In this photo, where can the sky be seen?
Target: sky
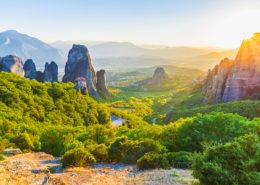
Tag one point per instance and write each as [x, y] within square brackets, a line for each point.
[197, 23]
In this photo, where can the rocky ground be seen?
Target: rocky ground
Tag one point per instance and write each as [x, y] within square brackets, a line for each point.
[41, 168]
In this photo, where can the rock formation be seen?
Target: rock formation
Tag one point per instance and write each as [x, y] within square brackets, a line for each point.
[158, 78]
[101, 83]
[12, 64]
[79, 65]
[239, 79]
[39, 76]
[215, 82]
[50, 73]
[29, 69]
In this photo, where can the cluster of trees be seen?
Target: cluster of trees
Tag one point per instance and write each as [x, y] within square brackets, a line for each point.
[54, 118]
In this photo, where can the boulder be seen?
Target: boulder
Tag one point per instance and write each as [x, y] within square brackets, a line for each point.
[13, 64]
[79, 65]
[29, 69]
[101, 83]
[50, 73]
[11, 151]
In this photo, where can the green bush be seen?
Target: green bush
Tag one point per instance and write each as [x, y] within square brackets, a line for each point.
[133, 150]
[2, 157]
[99, 151]
[152, 160]
[116, 149]
[234, 163]
[179, 159]
[192, 134]
[77, 157]
[23, 141]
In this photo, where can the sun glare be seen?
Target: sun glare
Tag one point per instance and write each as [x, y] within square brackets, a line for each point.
[229, 32]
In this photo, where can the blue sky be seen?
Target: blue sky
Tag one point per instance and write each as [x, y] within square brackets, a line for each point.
[222, 23]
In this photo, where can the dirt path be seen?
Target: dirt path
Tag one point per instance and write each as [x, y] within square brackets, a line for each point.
[33, 169]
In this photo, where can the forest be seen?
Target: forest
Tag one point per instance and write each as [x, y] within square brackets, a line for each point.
[219, 142]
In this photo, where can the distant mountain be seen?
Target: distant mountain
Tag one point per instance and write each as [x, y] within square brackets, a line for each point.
[27, 47]
[127, 49]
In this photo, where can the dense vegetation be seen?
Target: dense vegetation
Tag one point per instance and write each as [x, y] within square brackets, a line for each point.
[54, 118]
[233, 163]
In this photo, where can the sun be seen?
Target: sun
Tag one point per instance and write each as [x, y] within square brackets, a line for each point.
[231, 30]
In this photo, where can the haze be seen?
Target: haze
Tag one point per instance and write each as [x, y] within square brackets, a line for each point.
[195, 23]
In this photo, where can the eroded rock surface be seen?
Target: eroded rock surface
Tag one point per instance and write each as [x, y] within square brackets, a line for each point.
[29, 69]
[50, 73]
[159, 77]
[101, 83]
[79, 65]
[13, 64]
[236, 80]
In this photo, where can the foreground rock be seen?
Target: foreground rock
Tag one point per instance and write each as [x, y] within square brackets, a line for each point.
[12, 64]
[101, 83]
[50, 73]
[79, 65]
[34, 168]
[236, 80]
[29, 69]
[159, 77]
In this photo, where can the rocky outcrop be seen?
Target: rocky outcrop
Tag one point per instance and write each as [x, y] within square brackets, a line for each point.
[29, 69]
[13, 64]
[239, 79]
[101, 83]
[79, 65]
[243, 81]
[214, 85]
[159, 77]
[50, 73]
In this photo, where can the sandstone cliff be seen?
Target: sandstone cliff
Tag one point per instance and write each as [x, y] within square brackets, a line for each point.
[236, 80]
[79, 65]
[50, 73]
[101, 83]
[29, 69]
[13, 64]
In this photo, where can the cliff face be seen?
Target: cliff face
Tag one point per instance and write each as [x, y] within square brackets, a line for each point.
[244, 79]
[30, 69]
[101, 83]
[214, 85]
[79, 65]
[13, 64]
[236, 80]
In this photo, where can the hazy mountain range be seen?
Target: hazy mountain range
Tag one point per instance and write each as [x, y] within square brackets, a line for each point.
[111, 55]
[24, 46]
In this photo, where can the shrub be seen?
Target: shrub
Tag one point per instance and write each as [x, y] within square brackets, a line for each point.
[152, 160]
[133, 150]
[233, 163]
[23, 141]
[2, 157]
[116, 149]
[77, 157]
[193, 133]
[99, 151]
[179, 159]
